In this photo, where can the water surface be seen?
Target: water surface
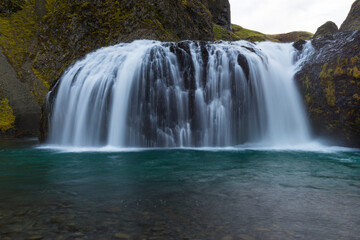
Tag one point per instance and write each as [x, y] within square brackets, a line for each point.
[178, 194]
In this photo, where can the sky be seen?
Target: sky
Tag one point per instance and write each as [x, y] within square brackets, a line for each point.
[281, 16]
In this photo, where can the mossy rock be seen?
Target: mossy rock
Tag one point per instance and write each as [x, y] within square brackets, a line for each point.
[327, 29]
[7, 118]
[221, 33]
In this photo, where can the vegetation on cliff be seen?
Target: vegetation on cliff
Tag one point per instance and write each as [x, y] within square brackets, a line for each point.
[7, 118]
[248, 35]
[239, 33]
[291, 36]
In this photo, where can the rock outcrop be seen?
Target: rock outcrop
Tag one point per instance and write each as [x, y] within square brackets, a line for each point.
[330, 81]
[352, 22]
[20, 113]
[220, 11]
[327, 29]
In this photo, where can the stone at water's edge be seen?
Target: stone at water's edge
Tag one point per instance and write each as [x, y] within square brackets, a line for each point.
[330, 81]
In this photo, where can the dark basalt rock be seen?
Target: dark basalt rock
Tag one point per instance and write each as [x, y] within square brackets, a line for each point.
[242, 61]
[330, 82]
[10, 6]
[299, 45]
[220, 11]
[47, 110]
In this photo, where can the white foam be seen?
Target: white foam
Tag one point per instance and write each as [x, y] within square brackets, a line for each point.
[314, 146]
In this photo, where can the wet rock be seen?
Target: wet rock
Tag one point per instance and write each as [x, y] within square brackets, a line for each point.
[299, 45]
[242, 61]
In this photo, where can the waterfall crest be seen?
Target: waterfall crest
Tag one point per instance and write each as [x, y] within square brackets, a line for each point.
[187, 94]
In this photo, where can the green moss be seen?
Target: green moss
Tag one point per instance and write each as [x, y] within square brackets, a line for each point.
[7, 118]
[356, 97]
[327, 80]
[290, 37]
[307, 90]
[16, 32]
[317, 111]
[220, 33]
[247, 34]
[326, 73]
[339, 71]
[330, 94]
[356, 72]
[331, 127]
[354, 60]
[53, 6]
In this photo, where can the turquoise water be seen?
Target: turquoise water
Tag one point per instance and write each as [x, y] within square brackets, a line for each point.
[178, 194]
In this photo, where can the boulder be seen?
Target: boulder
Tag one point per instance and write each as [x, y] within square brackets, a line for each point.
[329, 28]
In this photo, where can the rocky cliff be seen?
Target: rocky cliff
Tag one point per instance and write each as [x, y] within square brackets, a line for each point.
[330, 81]
[352, 22]
[41, 38]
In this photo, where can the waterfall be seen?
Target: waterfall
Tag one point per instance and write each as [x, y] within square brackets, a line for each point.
[187, 94]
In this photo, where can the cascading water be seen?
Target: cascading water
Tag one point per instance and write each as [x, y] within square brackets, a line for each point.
[188, 94]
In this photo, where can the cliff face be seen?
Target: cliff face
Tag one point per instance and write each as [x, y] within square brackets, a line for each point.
[41, 38]
[220, 11]
[352, 22]
[330, 81]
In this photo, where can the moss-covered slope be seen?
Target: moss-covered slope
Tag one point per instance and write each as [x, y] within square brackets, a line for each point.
[291, 36]
[239, 33]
